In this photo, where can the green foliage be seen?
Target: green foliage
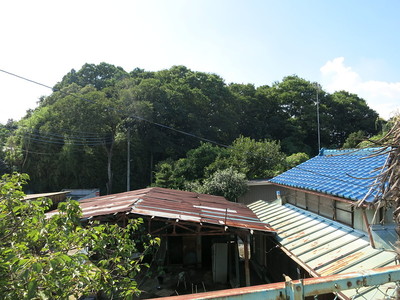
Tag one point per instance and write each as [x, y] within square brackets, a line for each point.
[375, 140]
[57, 257]
[255, 159]
[8, 154]
[227, 183]
[99, 76]
[297, 127]
[350, 113]
[183, 172]
[168, 113]
[354, 139]
[296, 159]
[166, 177]
[197, 160]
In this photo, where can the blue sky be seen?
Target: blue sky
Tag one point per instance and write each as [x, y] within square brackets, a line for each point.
[350, 45]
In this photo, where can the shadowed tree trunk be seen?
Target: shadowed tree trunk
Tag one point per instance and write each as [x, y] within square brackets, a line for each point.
[109, 151]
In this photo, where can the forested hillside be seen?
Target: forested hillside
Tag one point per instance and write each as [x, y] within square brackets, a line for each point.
[78, 136]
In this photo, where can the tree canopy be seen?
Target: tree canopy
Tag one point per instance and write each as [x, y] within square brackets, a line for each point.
[77, 136]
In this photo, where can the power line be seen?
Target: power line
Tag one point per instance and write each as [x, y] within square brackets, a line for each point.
[27, 79]
[78, 137]
[53, 138]
[65, 142]
[66, 139]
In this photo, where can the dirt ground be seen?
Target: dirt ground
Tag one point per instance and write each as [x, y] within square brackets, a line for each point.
[180, 281]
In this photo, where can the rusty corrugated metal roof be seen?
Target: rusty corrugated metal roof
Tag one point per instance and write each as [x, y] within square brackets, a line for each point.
[321, 246]
[175, 205]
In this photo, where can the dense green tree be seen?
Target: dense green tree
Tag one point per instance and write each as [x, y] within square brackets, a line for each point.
[57, 257]
[165, 176]
[194, 166]
[350, 113]
[200, 104]
[297, 107]
[255, 159]
[6, 152]
[177, 174]
[172, 110]
[296, 159]
[248, 107]
[227, 183]
[143, 102]
[99, 76]
[63, 139]
[354, 139]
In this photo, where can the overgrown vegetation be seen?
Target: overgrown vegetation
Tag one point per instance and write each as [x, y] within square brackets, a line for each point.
[205, 168]
[58, 257]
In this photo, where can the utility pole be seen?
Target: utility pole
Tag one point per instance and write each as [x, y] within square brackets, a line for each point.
[318, 126]
[128, 163]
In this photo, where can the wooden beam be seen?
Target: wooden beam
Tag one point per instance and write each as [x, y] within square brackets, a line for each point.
[194, 234]
[246, 259]
[198, 251]
[237, 268]
[365, 218]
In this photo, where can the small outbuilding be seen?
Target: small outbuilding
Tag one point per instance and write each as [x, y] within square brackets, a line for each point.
[204, 238]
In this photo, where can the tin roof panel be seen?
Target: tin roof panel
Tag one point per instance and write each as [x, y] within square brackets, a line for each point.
[174, 204]
[324, 246]
[316, 239]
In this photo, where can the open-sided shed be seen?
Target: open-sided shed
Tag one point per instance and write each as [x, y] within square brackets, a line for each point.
[197, 230]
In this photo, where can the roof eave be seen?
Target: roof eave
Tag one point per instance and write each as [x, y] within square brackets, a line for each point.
[345, 200]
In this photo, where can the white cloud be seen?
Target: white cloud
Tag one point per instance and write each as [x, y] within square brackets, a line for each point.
[383, 97]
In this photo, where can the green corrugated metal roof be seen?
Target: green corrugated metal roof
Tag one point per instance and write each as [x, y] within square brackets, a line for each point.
[321, 245]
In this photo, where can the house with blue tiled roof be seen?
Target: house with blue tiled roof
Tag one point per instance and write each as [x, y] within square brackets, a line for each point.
[333, 182]
[325, 219]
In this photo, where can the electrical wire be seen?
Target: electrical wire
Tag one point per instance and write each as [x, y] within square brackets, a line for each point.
[67, 140]
[39, 153]
[70, 137]
[92, 139]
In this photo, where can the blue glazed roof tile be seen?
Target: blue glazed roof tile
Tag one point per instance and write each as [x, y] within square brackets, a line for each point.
[343, 173]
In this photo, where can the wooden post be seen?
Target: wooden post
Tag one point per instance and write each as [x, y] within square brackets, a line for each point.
[237, 269]
[371, 239]
[198, 251]
[246, 259]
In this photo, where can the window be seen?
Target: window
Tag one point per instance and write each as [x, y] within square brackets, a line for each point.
[344, 213]
[326, 207]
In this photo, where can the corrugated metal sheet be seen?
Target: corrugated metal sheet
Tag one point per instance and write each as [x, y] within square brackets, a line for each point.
[347, 174]
[49, 195]
[320, 245]
[175, 205]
